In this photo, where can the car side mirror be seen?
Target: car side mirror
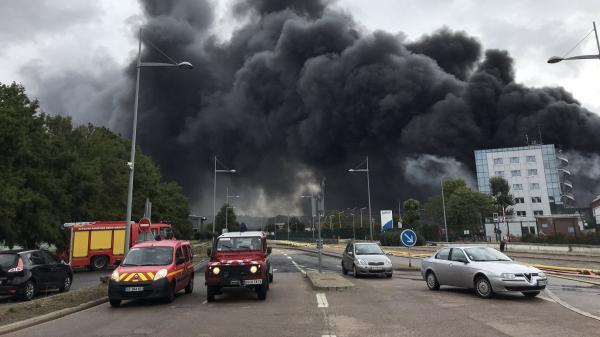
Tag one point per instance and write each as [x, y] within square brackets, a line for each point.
[465, 261]
[269, 250]
[117, 262]
[350, 253]
[209, 252]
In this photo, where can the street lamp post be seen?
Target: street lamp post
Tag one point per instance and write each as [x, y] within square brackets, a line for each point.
[215, 192]
[131, 163]
[312, 213]
[356, 169]
[556, 59]
[444, 209]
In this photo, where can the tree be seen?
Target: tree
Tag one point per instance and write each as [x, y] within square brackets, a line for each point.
[232, 224]
[412, 215]
[500, 191]
[465, 209]
[296, 225]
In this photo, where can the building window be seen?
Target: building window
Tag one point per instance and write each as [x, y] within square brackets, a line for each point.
[538, 212]
[515, 173]
[532, 172]
[514, 160]
[551, 199]
[499, 173]
[534, 186]
[517, 187]
[498, 161]
[519, 200]
[521, 213]
[571, 229]
[531, 159]
[536, 200]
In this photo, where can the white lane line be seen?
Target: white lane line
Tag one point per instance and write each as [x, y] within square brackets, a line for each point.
[328, 336]
[204, 302]
[322, 300]
[570, 307]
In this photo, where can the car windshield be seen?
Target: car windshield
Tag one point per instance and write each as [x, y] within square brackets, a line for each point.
[238, 244]
[149, 256]
[485, 254]
[8, 261]
[368, 249]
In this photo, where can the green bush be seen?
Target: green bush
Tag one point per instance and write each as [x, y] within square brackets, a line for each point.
[560, 238]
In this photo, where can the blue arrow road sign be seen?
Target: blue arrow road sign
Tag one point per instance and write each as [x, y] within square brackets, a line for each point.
[408, 237]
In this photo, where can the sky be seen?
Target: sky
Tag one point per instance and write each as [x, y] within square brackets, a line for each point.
[57, 48]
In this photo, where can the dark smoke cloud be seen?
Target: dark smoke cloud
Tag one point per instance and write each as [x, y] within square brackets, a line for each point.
[301, 91]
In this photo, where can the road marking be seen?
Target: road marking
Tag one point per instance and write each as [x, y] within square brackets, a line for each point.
[322, 300]
[570, 307]
[289, 257]
[204, 302]
[328, 336]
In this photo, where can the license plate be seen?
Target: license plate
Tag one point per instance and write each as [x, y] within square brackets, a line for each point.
[247, 282]
[132, 289]
[235, 282]
[376, 268]
[542, 282]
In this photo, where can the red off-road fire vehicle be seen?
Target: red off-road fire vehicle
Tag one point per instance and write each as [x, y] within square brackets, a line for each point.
[239, 259]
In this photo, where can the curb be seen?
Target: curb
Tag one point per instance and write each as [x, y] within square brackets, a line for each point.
[12, 327]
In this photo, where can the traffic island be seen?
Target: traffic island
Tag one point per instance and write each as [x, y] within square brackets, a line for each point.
[328, 281]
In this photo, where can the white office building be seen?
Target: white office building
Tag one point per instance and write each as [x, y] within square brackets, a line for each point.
[537, 178]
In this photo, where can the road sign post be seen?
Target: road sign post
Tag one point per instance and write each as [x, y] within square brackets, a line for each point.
[409, 239]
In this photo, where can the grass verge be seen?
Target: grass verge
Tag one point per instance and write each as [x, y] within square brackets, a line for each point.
[41, 306]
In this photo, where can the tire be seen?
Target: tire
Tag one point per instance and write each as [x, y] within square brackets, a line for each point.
[210, 294]
[66, 285]
[115, 303]
[190, 286]
[355, 271]
[170, 296]
[483, 288]
[344, 270]
[271, 278]
[389, 275]
[29, 290]
[262, 290]
[531, 294]
[432, 281]
[99, 262]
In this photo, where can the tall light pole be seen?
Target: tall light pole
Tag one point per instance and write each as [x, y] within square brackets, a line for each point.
[444, 209]
[215, 191]
[312, 212]
[357, 169]
[131, 163]
[556, 59]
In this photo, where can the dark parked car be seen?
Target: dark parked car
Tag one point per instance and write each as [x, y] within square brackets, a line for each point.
[25, 272]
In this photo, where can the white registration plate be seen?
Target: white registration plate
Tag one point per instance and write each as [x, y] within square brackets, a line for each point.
[132, 289]
[542, 282]
[247, 282]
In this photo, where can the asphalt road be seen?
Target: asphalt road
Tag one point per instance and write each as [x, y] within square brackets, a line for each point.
[401, 306]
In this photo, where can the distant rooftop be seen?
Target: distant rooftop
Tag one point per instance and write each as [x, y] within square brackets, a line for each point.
[518, 148]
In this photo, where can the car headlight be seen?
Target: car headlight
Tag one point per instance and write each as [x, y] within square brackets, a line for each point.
[541, 274]
[388, 262]
[115, 275]
[507, 276]
[216, 270]
[253, 269]
[361, 262]
[160, 274]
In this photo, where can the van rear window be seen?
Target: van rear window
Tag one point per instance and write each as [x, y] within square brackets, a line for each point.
[8, 261]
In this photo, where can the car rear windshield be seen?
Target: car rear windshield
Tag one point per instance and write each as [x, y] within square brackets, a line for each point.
[8, 261]
[239, 244]
[485, 254]
[368, 249]
[149, 256]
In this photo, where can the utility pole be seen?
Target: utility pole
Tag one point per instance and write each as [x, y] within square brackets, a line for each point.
[444, 209]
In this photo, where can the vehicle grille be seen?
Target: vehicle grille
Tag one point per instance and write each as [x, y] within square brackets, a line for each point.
[375, 263]
[233, 272]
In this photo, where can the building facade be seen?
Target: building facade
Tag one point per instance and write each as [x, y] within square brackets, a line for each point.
[536, 176]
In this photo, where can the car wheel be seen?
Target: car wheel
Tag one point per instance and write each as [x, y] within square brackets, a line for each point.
[483, 288]
[66, 285]
[114, 303]
[355, 271]
[262, 290]
[389, 275]
[531, 293]
[344, 270]
[432, 281]
[190, 286]
[99, 262]
[28, 291]
[210, 293]
[170, 296]
[271, 277]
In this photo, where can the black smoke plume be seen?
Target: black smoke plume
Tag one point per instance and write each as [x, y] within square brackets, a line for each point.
[301, 91]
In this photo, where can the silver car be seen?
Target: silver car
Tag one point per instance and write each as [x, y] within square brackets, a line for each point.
[363, 258]
[481, 268]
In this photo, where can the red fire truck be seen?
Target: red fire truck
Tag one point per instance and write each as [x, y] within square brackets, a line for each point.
[102, 243]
